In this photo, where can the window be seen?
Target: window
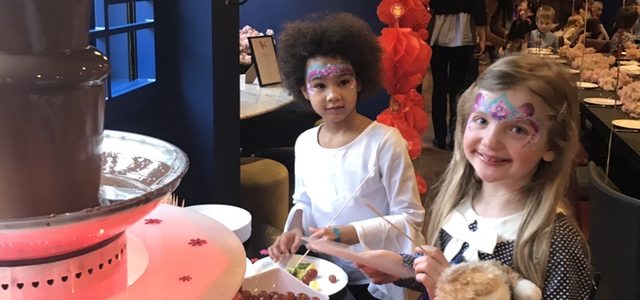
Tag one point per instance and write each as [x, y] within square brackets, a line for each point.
[123, 30]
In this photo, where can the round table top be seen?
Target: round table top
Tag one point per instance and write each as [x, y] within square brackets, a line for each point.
[256, 100]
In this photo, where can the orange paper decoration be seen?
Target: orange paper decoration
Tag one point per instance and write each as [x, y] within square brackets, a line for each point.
[405, 60]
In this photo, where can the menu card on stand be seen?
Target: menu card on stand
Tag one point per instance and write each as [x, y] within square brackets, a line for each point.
[264, 58]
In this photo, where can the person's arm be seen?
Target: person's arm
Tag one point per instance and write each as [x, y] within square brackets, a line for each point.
[481, 21]
[481, 31]
[603, 33]
[496, 32]
[401, 203]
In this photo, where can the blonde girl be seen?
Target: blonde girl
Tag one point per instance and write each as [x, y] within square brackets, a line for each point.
[502, 195]
[573, 30]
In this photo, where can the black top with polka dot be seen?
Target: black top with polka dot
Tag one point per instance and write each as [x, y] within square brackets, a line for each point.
[568, 274]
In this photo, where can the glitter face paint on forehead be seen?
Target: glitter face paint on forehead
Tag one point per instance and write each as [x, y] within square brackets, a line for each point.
[501, 109]
[320, 70]
[317, 70]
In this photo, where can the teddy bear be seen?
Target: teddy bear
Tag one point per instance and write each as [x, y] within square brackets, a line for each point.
[484, 280]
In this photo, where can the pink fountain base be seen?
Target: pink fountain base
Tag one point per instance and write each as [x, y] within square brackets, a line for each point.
[172, 253]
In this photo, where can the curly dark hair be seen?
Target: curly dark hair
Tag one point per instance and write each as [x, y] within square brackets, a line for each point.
[340, 35]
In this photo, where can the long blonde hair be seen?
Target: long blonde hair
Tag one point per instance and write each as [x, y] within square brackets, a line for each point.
[546, 191]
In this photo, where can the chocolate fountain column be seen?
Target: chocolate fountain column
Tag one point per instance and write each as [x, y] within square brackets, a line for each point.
[51, 108]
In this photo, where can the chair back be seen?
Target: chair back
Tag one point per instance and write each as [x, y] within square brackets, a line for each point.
[614, 238]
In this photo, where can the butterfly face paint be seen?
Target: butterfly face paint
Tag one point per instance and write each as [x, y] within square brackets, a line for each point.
[321, 71]
[501, 110]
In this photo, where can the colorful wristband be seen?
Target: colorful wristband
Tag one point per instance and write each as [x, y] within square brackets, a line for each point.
[337, 233]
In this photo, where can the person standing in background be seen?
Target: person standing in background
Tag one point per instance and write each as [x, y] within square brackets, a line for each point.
[457, 26]
[595, 29]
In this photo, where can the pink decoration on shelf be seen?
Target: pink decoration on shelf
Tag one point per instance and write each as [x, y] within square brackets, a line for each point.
[152, 221]
[197, 242]
[264, 252]
[185, 278]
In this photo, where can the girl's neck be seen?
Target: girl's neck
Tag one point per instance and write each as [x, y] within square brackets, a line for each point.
[496, 201]
[335, 135]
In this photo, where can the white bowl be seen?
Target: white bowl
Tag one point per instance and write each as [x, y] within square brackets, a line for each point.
[279, 281]
[235, 218]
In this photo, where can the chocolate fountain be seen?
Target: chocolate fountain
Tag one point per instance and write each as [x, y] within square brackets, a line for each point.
[79, 208]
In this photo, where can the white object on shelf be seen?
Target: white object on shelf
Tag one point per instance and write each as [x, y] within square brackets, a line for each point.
[234, 218]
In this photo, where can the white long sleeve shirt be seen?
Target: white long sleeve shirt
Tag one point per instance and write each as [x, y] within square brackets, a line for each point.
[375, 168]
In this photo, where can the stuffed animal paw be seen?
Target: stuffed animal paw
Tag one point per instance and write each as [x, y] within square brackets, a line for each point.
[484, 280]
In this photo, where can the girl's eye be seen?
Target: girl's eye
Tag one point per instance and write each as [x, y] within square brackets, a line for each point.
[479, 121]
[318, 85]
[345, 82]
[520, 130]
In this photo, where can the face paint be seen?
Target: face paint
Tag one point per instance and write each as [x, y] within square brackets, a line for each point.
[320, 71]
[501, 109]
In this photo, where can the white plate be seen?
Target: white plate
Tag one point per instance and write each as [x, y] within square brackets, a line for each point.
[631, 69]
[627, 123]
[325, 268]
[628, 62]
[574, 71]
[586, 85]
[248, 270]
[540, 50]
[602, 101]
[555, 56]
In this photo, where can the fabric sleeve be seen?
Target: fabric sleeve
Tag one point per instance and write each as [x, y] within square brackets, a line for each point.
[410, 282]
[301, 200]
[405, 207]
[568, 274]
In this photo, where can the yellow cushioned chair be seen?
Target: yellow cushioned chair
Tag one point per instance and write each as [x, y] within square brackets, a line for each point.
[264, 190]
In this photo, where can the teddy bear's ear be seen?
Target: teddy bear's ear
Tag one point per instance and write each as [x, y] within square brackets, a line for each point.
[526, 290]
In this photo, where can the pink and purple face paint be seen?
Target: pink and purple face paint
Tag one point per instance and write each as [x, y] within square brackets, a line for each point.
[501, 109]
[320, 71]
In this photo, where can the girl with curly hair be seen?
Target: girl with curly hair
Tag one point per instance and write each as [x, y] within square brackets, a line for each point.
[348, 161]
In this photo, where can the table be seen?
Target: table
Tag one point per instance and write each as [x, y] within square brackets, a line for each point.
[256, 100]
[624, 162]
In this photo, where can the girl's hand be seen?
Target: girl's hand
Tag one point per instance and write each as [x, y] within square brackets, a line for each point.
[341, 234]
[429, 267]
[285, 244]
[376, 276]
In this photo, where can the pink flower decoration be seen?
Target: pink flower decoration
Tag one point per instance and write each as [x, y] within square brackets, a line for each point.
[197, 242]
[152, 221]
[264, 252]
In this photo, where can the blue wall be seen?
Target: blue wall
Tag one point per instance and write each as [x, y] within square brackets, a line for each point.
[254, 12]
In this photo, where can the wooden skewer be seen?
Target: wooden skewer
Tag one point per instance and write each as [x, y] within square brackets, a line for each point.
[368, 204]
[357, 190]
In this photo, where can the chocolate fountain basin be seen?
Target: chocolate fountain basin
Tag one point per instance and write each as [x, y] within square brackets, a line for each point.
[137, 172]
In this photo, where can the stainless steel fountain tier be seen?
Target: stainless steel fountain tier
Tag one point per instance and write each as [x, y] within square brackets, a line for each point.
[137, 172]
[51, 108]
